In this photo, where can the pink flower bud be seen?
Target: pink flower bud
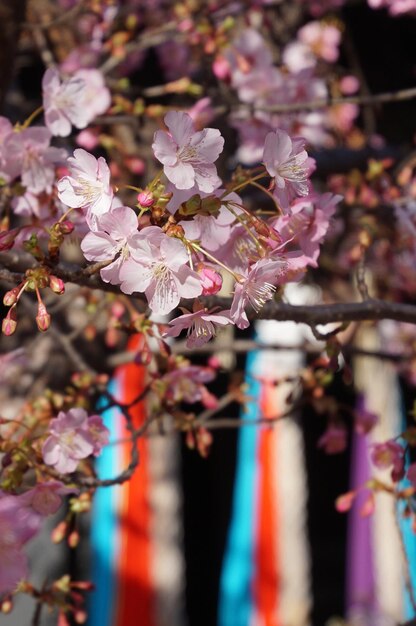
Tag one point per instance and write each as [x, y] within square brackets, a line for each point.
[214, 362]
[7, 239]
[80, 617]
[10, 297]
[6, 606]
[84, 585]
[73, 539]
[66, 227]
[56, 284]
[344, 503]
[135, 165]
[62, 620]
[190, 440]
[334, 439]
[87, 139]
[59, 532]
[368, 507]
[221, 68]
[210, 279]
[349, 85]
[43, 319]
[9, 323]
[204, 441]
[145, 199]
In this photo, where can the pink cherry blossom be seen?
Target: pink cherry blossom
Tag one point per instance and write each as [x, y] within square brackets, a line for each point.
[30, 205]
[6, 129]
[72, 438]
[396, 7]
[158, 267]
[116, 234]
[27, 154]
[334, 439]
[200, 326]
[212, 231]
[202, 113]
[188, 156]
[308, 223]
[247, 54]
[96, 96]
[298, 56]
[46, 498]
[186, 384]
[323, 39]
[64, 103]
[18, 524]
[252, 135]
[99, 434]
[365, 420]
[88, 139]
[389, 454]
[87, 186]
[256, 288]
[239, 252]
[286, 161]
[10, 362]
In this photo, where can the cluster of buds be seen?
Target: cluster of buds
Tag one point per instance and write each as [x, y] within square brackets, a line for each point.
[57, 235]
[200, 439]
[10, 299]
[35, 279]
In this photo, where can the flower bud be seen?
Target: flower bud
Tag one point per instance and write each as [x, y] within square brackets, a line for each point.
[7, 239]
[135, 165]
[43, 319]
[80, 617]
[66, 227]
[73, 539]
[204, 441]
[6, 606]
[344, 502]
[145, 199]
[57, 285]
[84, 585]
[221, 68]
[10, 297]
[210, 279]
[9, 323]
[59, 532]
[214, 362]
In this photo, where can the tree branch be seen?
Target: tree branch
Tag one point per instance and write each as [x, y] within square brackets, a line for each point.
[369, 310]
[323, 103]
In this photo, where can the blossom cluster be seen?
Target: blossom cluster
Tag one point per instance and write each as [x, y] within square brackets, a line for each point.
[182, 256]
[181, 223]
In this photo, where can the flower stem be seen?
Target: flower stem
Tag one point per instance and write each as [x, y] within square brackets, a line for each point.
[196, 246]
[244, 184]
[31, 117]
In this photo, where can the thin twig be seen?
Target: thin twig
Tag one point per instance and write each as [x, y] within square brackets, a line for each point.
[323, 103]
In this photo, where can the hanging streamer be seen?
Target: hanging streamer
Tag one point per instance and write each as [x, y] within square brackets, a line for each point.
[377, 381]
[136, 528]
[265, 577]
